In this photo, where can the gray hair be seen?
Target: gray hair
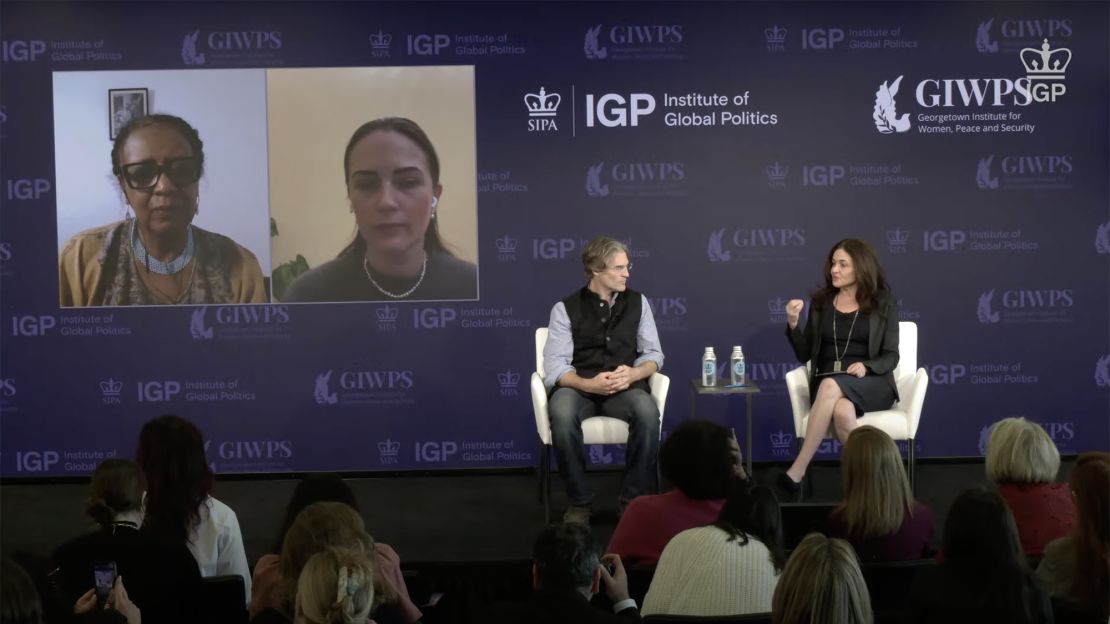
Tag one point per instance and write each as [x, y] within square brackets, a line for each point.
[597, 253]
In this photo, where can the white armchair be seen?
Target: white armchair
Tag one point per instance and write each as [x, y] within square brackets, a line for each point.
[900, 422]
[597, 430]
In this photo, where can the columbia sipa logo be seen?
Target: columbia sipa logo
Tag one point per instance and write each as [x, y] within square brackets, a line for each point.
[506, 248]
[387, 317]
[1102, 372]
[380, 43]
[594, 51]
[715, 249]
[1102, 238]
[198, 328]
[985, 312]
[983, 177]
[885, 112]
[388, 452]
[983, 40]
[776, 310]
[776, 175]
[542, 108]
[898, 240]
[110, 391]
[780, 443]
[594, 186]
[776, 38]
[189, 53]
[508, 382]
[322, 392]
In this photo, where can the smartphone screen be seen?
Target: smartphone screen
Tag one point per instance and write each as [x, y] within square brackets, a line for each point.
[104, 578]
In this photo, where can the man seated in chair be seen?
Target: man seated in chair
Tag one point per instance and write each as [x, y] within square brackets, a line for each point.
[602, 347]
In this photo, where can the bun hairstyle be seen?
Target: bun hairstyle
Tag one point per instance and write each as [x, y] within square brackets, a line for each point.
[335, 587]
[117, 487]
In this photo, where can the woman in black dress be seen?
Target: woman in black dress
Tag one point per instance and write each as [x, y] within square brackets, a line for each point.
[851, 337]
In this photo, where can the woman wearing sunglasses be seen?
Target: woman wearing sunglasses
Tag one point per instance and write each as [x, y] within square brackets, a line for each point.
[157, 256]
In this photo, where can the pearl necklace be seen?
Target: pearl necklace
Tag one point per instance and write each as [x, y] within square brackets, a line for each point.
[419, 280]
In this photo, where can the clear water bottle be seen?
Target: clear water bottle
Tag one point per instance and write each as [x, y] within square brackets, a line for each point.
[737, 367]
[709, 367]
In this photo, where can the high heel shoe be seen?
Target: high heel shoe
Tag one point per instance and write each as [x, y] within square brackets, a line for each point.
[790, 487]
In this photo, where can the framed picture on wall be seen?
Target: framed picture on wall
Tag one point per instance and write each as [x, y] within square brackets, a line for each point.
[123, 106]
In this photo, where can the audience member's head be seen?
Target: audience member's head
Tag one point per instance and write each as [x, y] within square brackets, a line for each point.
[19, 600]
[178, 479]
[317, 527]
[753, 512]
[117, 487]
[335, 587]
[822, 582]
[315, 488]
[700, 458]
[1020, 451]
[877, 492]
[565, 557]
[1090, 481]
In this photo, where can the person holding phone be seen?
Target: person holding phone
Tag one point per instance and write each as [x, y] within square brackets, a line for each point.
[851, 339]
[163, 580]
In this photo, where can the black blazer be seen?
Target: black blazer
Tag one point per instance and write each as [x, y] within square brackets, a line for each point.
[557, 607]
[882, 339]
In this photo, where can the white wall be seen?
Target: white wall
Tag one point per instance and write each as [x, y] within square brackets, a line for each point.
[228, 109]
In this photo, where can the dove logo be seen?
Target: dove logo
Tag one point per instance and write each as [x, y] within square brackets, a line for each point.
[1102, 238]
[197, 327]
[716, 250]
[885, 114]
[322, 391]
[189, 53]
[983, 41]
[594, 50]
[594, 186]
[983, 176]
[985, 311]
[1102, 372]
[599, 456]
[984, 437]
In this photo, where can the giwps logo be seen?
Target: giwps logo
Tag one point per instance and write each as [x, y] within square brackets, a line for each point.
[776, 38]
[387, 318]
[1050, 305]
[636, 179]
[1102, 238]
[380, 43]
[1102, 372]
[783, 244]
[1013, 34]
[781, 442]
[885, 112]
[670, 313]
[252, 453]
[543, 110]
[364, 387]
[388, 452]
[507, 383]
[776, 175]
[239, 322]
[1026, 172]
[231, 48]
[898, 240]
[640, 42]
[110, 391]
[506, 248]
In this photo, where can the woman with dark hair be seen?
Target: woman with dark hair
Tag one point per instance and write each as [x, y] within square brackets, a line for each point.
[851, 339]
[728, 568]
[984, 576]
[701, 459]
[179, 504]
[327, 487]
[157, 256]
[391, 171]
[879, 516]
[162, 576]
[21, 603]
[1076, 567]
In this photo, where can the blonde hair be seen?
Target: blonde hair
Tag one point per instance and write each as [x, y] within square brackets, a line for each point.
[822, 583]
[335, 587]
[597, 253]
[1020, 451]
[877, 493]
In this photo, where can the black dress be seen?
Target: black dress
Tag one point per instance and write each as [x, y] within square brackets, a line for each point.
[870, 393]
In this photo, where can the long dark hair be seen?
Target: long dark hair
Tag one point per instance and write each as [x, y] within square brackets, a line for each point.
[117, 486]
[981, 543]
[191, 136]
[315, 488]
[753, 512]
[410, 130]
[1090, 481]
[696, 459]
[871, 282]
[171, 454]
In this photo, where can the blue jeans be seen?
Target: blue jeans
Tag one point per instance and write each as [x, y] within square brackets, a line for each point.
[567, 408]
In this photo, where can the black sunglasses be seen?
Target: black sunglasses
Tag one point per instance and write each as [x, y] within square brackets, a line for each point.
[144, 175]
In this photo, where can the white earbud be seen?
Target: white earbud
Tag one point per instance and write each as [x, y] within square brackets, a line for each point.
[435, 202]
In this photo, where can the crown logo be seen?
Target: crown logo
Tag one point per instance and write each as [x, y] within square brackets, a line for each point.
[776, 172]
[1046, 63]
[506, 244]
[781, 439]
[387, 314]
[897, 236]
[776, 304]
[388, 448]
[380, 40]
[111, 387]
[542, 104]
[508, 379]
[775, 34]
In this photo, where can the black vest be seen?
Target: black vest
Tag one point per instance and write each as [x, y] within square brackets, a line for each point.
[604, 336]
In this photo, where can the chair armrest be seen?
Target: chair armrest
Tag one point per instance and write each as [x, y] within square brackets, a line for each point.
[911, 393]
[660, 384]
[797, 386]
[539, 406]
